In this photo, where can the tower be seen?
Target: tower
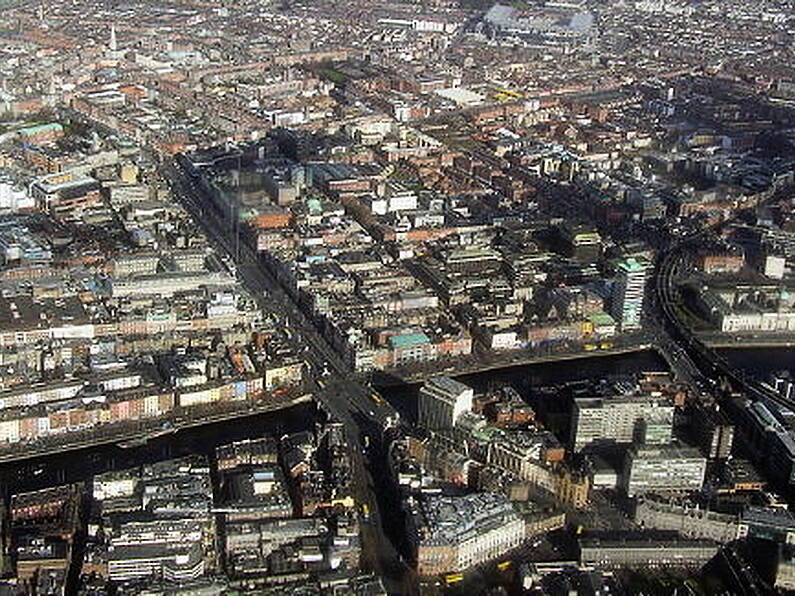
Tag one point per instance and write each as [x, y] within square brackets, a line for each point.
[113, 44]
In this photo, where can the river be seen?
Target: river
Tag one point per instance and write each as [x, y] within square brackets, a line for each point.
[80, 465]
[523, 377]
[761, 361]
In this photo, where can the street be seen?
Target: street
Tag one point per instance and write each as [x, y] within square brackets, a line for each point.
[340, 393]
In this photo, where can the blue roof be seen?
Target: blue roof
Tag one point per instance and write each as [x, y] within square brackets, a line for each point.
[408, 340]
[37, 128]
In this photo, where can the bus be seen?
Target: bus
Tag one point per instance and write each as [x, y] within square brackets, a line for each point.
[453, 578]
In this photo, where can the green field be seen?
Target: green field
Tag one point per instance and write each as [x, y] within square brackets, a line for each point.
[332, 75]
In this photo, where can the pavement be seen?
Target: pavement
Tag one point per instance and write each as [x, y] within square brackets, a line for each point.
[340, 392]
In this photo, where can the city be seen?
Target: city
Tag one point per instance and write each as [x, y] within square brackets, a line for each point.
[442, 297]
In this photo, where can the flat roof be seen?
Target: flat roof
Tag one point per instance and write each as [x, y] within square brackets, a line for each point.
[408, 340]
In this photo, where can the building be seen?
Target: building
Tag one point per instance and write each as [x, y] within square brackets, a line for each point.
[628, 293]
[173, 537]
[714, 429]
[249, 452]
[454, 533]
[728, 260]
[582, 243]
[785, 570]
[774, 266]
[767, 523]
[36, 555]
[176, 564]
[621, 419]
[255, 493]
[441, 401]
[66, 194]
[747, 308]
[687, 519]
[771, 444]
[41, 133]
[668, 468]
[115, 484]
[645, 551]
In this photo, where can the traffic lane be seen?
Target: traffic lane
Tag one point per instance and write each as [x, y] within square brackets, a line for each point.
[333, 401]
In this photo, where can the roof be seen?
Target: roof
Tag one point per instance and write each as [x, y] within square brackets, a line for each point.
[460, 95]
[769, 516]
[453, 520]
[632, 265]
[601, 318]
[408, 340]
[39, 128]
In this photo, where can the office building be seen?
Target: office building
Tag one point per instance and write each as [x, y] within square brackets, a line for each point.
[688, 519]
[455, 533]
[767, 523]
[668, 468]
[628, 292]
[441, 401]
[645, 551]
[714, 429]
[621, 419]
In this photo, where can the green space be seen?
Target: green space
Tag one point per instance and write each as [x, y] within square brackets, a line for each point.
[332, 75]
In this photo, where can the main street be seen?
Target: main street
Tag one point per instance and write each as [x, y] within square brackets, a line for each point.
[340, 393]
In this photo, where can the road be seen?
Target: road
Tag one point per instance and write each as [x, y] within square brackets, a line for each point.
[481, 363]
[693, 359]
[705, 365]
[339, 392]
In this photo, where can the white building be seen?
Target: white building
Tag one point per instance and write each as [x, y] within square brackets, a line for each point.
[628, 293]
[115, 484]
[621, 419]
[455, 533]
[14, 198]
[441, 401]
[664, 469]
[774, 266]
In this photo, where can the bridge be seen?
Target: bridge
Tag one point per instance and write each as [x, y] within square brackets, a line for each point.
[707, 366]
